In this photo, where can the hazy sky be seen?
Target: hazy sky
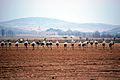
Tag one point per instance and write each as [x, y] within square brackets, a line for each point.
[82, 11]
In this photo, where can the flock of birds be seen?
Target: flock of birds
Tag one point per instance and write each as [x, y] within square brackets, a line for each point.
[49, 43]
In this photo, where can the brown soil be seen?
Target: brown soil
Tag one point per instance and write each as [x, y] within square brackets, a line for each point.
[59, 64]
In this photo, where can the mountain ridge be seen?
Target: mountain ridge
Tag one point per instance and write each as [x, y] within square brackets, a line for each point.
[46, 23]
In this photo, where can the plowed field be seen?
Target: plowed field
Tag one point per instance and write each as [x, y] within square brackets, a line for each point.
[59, 64]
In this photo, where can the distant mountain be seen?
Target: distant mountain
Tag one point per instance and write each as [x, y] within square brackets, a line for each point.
[115, 30]
[41, 23]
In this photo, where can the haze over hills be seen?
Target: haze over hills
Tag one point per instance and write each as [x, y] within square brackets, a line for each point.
[41, 24]
[115, 30]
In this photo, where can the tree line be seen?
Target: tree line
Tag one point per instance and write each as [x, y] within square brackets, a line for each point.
[96, 34]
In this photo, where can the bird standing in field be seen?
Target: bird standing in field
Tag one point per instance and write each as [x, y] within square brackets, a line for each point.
[57, 44]
[111, 44]
[51, 44]
[26, 44]
[17, 44]
[65, 45]
[79, 44]
[103, 44]
[33, 44]
[91, 43]
[96, 43]
[72, 44]
[2, 44]
[10, 44]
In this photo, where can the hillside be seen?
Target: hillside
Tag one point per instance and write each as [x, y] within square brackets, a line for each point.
[115, 30]
[41, 23]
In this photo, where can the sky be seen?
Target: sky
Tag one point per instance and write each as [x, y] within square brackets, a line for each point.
[79, 11]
